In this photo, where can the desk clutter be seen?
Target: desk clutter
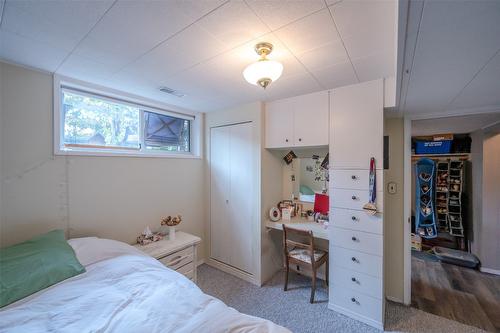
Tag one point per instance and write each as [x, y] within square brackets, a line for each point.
[287, 209]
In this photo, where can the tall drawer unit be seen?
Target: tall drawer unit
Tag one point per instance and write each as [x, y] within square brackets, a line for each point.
[178, 254]
[356, 239]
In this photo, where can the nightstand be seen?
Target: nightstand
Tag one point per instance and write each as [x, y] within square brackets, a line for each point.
[178, 254]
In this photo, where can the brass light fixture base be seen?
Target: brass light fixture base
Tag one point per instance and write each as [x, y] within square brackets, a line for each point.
[263, 49]
[264, 82]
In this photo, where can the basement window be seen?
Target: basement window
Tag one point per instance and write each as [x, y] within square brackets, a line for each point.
[89, 123]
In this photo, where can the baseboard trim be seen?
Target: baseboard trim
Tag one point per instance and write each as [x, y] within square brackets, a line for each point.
[353, 315]
[233, 271]
[200, 262]
[490, 270]
[394, 299]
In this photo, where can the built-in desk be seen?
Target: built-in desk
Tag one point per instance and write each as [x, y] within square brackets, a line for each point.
[318, 229]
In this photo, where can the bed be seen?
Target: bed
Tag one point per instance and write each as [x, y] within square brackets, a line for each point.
[124, 290]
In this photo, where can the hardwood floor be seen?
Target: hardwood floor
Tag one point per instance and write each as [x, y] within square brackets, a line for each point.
[462, 294]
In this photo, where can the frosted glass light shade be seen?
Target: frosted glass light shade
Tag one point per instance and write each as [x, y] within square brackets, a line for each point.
[263, 69]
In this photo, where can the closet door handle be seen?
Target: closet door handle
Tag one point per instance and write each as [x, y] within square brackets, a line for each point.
[227, 201]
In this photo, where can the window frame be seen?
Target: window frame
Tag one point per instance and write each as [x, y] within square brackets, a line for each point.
[62, 83]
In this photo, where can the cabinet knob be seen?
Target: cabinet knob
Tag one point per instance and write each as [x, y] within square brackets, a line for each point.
[300, 139]
[286, 140]
[353, 279]
[353, 300]
[353, 177]
[354, 238]
[354, 218]
[354, 197]
[354, 259]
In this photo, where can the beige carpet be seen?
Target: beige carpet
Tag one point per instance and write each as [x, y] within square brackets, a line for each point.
[293, 310]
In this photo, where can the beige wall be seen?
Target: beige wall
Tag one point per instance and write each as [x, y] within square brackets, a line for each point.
[394, 212]
[113, 197]
[489, 235]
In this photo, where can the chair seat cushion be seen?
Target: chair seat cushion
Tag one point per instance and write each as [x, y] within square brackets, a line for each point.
[304, 255]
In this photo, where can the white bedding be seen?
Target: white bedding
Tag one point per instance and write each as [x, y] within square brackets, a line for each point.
[125, 291]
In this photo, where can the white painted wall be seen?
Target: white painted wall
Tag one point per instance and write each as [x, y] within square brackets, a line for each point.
[394, 221]
[113, 197]
[489, 244]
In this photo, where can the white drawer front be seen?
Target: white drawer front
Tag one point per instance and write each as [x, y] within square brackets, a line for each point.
[187, 270]
[354, 301]
[356, 220]
[354, 260]
[357, 240]
[178, 259]
[353, 199]
[365, 284]
[353, 179]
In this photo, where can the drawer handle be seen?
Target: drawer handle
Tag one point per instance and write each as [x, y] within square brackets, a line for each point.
[353, 279]
[354, 300]
[176, 260]
[354, 177]
[300, 139]
[354, 218]
[354, 239]
[286, 140]
[354, 259]
[354, 197]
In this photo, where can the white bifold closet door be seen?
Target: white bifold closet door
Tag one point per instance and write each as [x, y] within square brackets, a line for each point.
[231, 187]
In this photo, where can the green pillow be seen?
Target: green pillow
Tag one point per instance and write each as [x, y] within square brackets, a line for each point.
[36, 264]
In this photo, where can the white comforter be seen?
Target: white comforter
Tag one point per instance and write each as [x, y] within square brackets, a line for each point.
[128, 292]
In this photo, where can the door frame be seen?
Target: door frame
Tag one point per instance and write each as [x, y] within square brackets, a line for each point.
[407, 211]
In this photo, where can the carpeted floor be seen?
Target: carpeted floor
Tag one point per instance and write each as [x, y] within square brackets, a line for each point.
[293, 310]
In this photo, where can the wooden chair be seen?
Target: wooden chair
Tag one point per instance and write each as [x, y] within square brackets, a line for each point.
[303, 254]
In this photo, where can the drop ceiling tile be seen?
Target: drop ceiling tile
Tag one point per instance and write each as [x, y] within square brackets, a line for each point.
[440, 73]
[366, 26]
[336, 76]
[233, 24]
[59, 23]
[309, 33]
[483, 90]
[30, 52]
[375, 66]
[131, 28]
[324, 56]
[186, 49]
[279, 13]
[291, 86]
[85, 69]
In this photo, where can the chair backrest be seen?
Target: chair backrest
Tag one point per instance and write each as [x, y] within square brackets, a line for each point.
[288, 242]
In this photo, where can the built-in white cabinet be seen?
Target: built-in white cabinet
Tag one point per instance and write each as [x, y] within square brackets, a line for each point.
[357, 125]
[356, 238]
[300, 121]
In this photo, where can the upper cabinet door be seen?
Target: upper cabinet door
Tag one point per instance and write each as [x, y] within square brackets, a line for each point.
[357, 132]
[311, 119]
[279, 124]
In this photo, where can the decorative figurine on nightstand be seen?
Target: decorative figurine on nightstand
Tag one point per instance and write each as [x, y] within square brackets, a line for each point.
[149, 237]
[171, 222]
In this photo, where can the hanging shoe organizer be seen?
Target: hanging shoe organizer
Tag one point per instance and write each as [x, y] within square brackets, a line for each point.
[442, 192]
[456, 181]
[426, 218]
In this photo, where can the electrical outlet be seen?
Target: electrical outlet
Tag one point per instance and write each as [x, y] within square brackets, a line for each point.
[392, 188]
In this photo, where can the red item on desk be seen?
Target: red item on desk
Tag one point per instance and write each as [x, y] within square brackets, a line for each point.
[321, 202]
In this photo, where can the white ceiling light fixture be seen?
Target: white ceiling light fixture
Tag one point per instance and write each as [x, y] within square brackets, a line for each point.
[264, 71]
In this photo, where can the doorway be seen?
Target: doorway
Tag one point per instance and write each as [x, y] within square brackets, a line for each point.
[454, 172]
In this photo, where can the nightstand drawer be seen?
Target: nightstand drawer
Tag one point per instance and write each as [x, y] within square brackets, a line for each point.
[178, 259]
[187, 270]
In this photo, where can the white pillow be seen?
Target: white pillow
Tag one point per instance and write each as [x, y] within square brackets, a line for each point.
[90, 250]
